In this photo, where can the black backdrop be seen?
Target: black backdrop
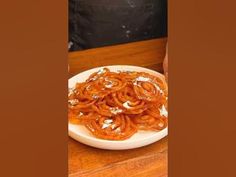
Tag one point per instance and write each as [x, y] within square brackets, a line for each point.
[96, 23]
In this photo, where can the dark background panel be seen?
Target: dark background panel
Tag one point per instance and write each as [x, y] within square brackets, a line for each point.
[96, 23]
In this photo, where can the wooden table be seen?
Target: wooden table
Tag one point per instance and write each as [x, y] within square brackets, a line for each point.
[149, 161]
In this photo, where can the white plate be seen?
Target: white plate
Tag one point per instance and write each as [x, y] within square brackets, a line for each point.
[141, 138]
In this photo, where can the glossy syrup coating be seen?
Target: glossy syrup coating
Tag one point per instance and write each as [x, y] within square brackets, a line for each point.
[115, 105]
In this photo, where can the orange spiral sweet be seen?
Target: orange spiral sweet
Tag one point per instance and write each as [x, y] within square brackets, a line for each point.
[115, 105]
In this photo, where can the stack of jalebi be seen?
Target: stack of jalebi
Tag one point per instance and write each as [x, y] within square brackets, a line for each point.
[115, 105]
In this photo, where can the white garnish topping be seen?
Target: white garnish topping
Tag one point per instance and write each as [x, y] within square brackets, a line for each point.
[109, 85]
[81, 114]
[73, 102]
[101, 71]
[163, 111]
[95, 96]
[105, 126]
[126, 104]
[88, 87]
[71, 91]
[158, 88]
[140, 79]
[108, 121]
[93, 78]
[113, 126]
[115, 110]
[118, 129]
[143, 79]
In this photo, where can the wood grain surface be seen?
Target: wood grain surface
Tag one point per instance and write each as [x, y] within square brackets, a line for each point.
[148, 54]
[149, 161]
